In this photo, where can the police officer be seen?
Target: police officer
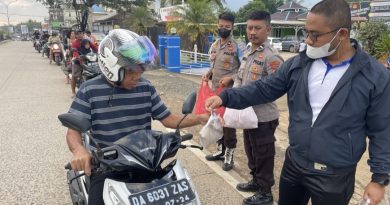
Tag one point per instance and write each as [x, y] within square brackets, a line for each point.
[338, 96]
[260, 60]
[224, 57]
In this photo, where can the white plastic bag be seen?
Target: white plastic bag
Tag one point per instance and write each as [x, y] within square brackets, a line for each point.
[212, 131]
[240, 119]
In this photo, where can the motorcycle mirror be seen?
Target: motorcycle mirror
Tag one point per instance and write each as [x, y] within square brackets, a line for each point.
[189, 103]
[75, 122]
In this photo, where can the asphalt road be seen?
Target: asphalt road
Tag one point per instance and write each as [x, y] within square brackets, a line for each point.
[33, 149]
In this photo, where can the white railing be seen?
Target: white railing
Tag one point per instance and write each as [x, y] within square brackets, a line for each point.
[192, 62]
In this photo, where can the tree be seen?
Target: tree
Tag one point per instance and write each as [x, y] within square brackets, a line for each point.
[82, 10]
[140, 19]
[244, 11]
[382, 46]
[272, 5]
[31, 24]
[164, 3]
[196, 20]
[370, 33]
[296, 1]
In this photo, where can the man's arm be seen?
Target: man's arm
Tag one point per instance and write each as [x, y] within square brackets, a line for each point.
[81, 160]
[191, 120]
[259, 92]
[378, 131]
[378, 128]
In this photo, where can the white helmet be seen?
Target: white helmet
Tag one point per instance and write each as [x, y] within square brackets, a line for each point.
[121, 49]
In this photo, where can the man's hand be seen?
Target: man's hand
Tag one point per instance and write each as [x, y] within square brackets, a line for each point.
[225, 81]
[81, 160]
[375, 192]
[205, 77]
[213, 103]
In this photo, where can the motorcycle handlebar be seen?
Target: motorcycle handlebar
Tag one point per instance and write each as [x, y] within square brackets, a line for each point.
[186, 137]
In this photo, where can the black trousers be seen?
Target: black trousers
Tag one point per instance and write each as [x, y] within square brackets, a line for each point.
[298, 185]
[95, 195]
[229, 138]
[259, 146]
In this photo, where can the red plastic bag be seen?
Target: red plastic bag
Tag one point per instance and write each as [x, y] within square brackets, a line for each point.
[204, 93]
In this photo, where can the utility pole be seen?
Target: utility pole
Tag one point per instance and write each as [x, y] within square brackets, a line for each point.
[7, 6]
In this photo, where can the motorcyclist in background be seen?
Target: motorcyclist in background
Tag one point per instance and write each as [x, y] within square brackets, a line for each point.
[85, 47]
[36, 35]
[76, 67]
[43, 40]
[45, 35]
[54, 38]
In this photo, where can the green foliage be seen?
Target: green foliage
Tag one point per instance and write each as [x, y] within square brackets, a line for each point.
[272, 5]
[140, 19]
[164, 3]
[196, 19]
[31, 24]
[121, 6]
[370, 34]
[382, 46]
[296, 1]
[243, 12]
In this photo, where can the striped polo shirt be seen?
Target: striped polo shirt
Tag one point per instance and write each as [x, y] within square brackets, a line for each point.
[115, 112]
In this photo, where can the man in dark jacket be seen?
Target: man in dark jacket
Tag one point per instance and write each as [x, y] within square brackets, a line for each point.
[337, 96]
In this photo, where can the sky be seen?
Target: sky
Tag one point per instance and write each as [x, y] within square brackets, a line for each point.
[21, 11]
[24, 10]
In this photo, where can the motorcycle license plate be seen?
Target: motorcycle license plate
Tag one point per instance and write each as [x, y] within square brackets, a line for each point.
[174, 193]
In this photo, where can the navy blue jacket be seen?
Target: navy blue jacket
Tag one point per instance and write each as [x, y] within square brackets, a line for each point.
[358, 107]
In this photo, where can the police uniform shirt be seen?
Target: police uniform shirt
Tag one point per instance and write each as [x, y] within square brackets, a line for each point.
[257, 64]
[224, 60]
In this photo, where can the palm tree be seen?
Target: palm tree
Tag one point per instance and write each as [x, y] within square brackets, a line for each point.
[140, 19]
[196, 20]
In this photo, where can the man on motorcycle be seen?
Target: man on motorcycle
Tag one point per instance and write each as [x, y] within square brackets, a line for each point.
[36, 36]
[43, 40]
[119, 102]
[54, 38]
[90, 37]
[76, 67]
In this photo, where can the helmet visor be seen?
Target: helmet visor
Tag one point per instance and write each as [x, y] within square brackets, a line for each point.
[139, 50]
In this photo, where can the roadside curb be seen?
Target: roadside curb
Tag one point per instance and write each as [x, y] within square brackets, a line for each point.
[5, 41]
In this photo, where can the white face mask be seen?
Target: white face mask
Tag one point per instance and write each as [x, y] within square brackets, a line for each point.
[322, 51]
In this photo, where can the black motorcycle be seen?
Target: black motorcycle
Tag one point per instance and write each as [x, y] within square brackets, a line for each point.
[137, 158]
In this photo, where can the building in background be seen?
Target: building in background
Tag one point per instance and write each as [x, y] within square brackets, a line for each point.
[56, 17]
[380, 11]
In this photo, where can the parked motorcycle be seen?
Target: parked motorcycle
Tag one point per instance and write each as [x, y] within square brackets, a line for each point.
[138, 156]
[56, 52]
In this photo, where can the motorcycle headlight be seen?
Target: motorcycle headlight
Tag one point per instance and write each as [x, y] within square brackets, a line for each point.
[56, 46]
[114, 197]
